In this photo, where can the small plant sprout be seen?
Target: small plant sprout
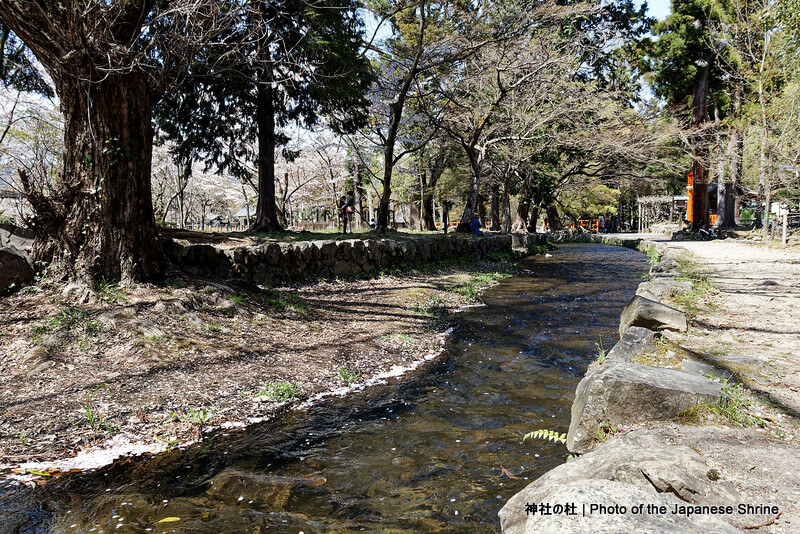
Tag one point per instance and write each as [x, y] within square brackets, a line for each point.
[601, 352]
[348, 376]
[194, 417]
[278, 391]
[92, 415]
[108, 291]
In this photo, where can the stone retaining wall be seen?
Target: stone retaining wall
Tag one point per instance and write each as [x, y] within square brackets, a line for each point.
[275, 263]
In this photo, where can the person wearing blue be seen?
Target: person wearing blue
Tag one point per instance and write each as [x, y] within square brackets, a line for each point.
[475, 225]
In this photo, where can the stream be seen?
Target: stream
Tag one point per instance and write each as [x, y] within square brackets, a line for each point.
[440, 451]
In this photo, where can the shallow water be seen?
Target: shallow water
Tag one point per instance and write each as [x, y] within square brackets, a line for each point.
[440, 452]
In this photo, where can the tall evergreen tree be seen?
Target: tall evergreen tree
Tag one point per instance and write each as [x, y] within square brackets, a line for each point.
[17, 69]
[302, 63]
[685, 73]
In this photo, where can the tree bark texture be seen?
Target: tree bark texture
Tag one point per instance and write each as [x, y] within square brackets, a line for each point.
[523, 210]
[726, 213]
[428, 188]
[471, 208]
[553, 220]
[266, 219]
[359, 220]
[495, 209]
[100, 222]
[533, 222]
[700, 152]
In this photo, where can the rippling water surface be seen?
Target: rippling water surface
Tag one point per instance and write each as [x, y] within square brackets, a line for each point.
[439, 453]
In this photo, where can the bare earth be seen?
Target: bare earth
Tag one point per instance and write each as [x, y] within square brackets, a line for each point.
[157, 366]
[755, 315]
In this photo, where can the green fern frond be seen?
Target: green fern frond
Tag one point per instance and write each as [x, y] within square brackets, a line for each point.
[547, 435]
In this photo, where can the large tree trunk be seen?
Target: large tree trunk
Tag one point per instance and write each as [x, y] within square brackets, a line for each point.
[494, 215]
[726, 207]
[520, 225]
[427, 193]
[700, 152]
[523, 210]
[470, 209]
[506, 215]
[266, 218]
[99, 222]
[553, 220]
[359, 220]
[533, 222]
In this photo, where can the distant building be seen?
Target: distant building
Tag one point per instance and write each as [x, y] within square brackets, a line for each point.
[244, 216]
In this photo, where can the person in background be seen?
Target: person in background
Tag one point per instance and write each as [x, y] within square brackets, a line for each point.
[475, 225]
[348, 208]
[340, 205]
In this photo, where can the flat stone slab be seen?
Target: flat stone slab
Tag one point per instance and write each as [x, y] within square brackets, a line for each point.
[643, 460]
[650, 314]
[615, 517]
[735, 358]
[634, 342]
[705, 369]
[618, 393]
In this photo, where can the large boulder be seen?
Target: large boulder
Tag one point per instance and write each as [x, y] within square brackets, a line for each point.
[616, 516]
[16, 238]
[634, 342]
[650, 314]
[661, 289]
[14, 270]
[618, 393]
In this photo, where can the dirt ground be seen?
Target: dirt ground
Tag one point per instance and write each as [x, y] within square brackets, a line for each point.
[152, 367]
[749, 324]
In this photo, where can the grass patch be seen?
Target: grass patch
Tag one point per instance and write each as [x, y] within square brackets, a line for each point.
[285, 300]
[348, 376]
[278, 391]
[653, 255]
[695, 300]
[665, 355]
[472, 288]
[732, 409]
[68, 318]
[601, 353]
[402, 339]
[604, 431]
[212, 327]
[109, 292]
[431, 306]
[198, 418]
[92, 415]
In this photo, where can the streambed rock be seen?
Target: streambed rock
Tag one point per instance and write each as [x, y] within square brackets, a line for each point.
[650, 314]
[619, 393]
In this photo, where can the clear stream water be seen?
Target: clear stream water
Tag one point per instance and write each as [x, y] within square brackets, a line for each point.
[440, 451]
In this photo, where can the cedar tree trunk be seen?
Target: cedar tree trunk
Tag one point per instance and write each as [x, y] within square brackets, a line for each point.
[700, 152]
[471, 207]
[266, 219]
[100, 222]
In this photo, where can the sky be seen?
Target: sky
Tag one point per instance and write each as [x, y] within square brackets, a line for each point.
[659, 9]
